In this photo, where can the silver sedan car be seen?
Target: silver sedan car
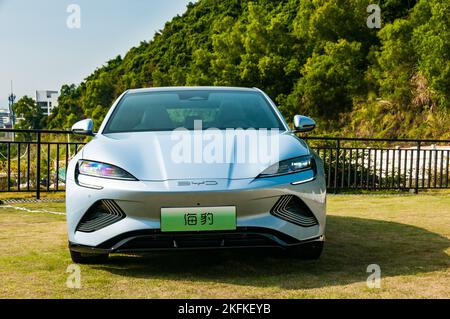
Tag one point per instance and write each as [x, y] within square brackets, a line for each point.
[180, 168]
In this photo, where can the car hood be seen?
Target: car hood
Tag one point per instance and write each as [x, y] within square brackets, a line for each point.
[155, 156]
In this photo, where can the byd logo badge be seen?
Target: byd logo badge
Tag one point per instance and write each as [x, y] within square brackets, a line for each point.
[197, 183]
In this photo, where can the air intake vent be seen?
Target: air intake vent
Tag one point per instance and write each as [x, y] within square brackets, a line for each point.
[294, 210]
[103, 213]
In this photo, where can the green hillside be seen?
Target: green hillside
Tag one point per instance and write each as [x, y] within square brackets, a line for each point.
[315, 57]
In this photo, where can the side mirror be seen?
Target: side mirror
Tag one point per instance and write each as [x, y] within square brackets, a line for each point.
[303, 123]
[84, 127]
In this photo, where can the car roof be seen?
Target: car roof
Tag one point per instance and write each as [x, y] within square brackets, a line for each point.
[192, 88]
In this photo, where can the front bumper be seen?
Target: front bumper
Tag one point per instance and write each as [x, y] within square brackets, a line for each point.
[141, 201]
[154, 240]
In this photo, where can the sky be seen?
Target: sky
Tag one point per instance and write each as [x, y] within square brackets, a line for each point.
[39, 51]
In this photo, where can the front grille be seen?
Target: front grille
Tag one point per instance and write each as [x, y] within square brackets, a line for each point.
[294, 210]
[141, 240]
[218, 240]
[103, 213]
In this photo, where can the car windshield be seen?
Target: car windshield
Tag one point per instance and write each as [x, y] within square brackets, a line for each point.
[168, 110]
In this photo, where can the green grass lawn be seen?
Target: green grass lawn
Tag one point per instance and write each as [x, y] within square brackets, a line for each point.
[407, 236]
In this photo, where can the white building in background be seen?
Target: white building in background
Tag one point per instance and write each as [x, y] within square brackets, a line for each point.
[5, 119]
[47, 100]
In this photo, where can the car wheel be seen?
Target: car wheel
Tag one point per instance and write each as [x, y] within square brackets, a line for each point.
[82, 258]
[309, 251]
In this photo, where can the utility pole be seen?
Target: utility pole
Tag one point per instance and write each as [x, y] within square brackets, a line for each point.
[12, 115]
[11, 99]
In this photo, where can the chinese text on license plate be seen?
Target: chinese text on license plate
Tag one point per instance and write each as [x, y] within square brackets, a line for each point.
[198, 218]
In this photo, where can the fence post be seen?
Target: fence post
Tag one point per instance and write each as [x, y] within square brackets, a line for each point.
[336, 164]
[9, 167]
[38, 166]
[416, 186]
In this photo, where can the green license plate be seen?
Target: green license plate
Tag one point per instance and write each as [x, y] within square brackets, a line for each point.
[198, 218]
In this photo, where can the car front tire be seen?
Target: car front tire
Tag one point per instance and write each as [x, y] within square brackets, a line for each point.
[82, 258]
[309, 251]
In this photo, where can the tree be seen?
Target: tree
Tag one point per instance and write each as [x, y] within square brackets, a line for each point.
[33, 117]
[69, 110]
[330, 82]
[315, 57]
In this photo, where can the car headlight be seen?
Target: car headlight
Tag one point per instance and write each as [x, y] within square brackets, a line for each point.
[289, 166]
[104, 170]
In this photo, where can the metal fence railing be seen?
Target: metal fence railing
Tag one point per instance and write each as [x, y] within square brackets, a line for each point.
[383, 164]
[36, 161]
